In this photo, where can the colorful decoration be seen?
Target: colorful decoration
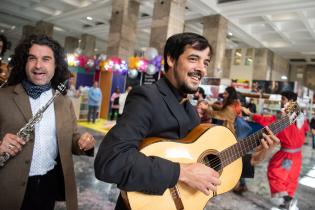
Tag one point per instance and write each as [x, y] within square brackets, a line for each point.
[150, 63]
[132, 73]
[150, 53]
[133, 62]
[151, 69]
[78, 51]
[115, 65]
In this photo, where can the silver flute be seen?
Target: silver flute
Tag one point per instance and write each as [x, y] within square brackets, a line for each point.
[25, 133]
[4, 83]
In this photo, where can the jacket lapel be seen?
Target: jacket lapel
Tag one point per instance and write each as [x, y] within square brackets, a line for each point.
[176, 108]
[20, 99]
[58, 117]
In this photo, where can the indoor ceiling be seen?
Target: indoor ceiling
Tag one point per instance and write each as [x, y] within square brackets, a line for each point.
[286, 27]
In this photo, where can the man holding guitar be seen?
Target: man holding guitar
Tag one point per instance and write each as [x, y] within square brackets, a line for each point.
[161, 110]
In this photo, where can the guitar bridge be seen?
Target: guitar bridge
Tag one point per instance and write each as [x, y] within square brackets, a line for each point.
[176, 198]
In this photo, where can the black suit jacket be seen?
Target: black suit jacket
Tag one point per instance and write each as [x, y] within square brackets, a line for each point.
[150, 111]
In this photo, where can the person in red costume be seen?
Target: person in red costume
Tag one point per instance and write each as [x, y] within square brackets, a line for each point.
[285, 165]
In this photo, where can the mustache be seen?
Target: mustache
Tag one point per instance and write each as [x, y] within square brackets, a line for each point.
[195, 74]
[38, 69]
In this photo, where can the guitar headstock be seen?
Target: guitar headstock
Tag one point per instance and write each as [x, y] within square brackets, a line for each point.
[292, 109]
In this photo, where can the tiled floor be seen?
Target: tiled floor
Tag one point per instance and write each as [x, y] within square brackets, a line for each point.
[96, 195]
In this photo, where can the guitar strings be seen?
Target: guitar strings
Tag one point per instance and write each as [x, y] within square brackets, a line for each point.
[234, 155]
[244, 142]
[248, 143]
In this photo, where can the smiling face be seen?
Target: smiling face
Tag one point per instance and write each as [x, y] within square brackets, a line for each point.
[40, 65]
[186, 73]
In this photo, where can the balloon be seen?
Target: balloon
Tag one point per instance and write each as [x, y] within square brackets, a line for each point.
[82, 61]
[116, 67]
[142, 64]
[132, 73]
[102, 57]
[90, 63]
[78, 51]
[76, 63]
[133, 62]
[71, 60]
[150, 53]
[162, 68]
[151, 70]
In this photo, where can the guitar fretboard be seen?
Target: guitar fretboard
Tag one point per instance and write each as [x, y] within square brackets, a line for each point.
[246, 145]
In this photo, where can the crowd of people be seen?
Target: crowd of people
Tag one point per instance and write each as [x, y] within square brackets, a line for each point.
[43, 154]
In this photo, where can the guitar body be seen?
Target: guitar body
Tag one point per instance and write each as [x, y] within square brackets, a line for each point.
[200, 145]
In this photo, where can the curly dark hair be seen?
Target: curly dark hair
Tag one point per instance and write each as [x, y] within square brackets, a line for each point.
[19, 59]
[291, 96]
[5, 44]
[232, 98]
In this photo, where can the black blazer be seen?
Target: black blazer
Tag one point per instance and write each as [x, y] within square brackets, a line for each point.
[150, 111]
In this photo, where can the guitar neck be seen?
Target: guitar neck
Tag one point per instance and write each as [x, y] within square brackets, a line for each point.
[246, 145]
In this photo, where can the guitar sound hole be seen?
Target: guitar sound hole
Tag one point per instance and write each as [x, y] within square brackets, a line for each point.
[213, 162]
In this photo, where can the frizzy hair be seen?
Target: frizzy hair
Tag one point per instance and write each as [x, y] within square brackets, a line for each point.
[19, 60]
[232, 98]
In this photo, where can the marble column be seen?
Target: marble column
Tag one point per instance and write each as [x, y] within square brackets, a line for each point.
[123, 28]
[298, 73]
[87, 44]
[280, 67]
[121, 42]
[27, 31]
[168, 19]
[310, 77]
[71, 43]
[44, 28]
[215, 30]
[226, 66]
[262, 64]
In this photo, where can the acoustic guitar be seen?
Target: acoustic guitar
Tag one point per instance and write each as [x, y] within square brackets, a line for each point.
[216, 147]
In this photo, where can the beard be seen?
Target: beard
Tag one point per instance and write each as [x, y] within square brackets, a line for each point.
[183, 86]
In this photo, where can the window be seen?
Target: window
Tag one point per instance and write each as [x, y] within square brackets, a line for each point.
[238, 57]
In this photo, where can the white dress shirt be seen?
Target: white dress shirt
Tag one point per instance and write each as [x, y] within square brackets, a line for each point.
[45, 144]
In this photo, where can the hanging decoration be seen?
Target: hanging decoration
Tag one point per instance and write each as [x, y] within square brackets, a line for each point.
[115, 65]
[150, 63]
[150, 53]
[133, 73]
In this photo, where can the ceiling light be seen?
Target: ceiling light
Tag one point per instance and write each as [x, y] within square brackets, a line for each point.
[45, 10]
[2, 31]
[89, 18]
[13, 27]
[230, 34]
[284, 77]
[58, 28]
[57, 12]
